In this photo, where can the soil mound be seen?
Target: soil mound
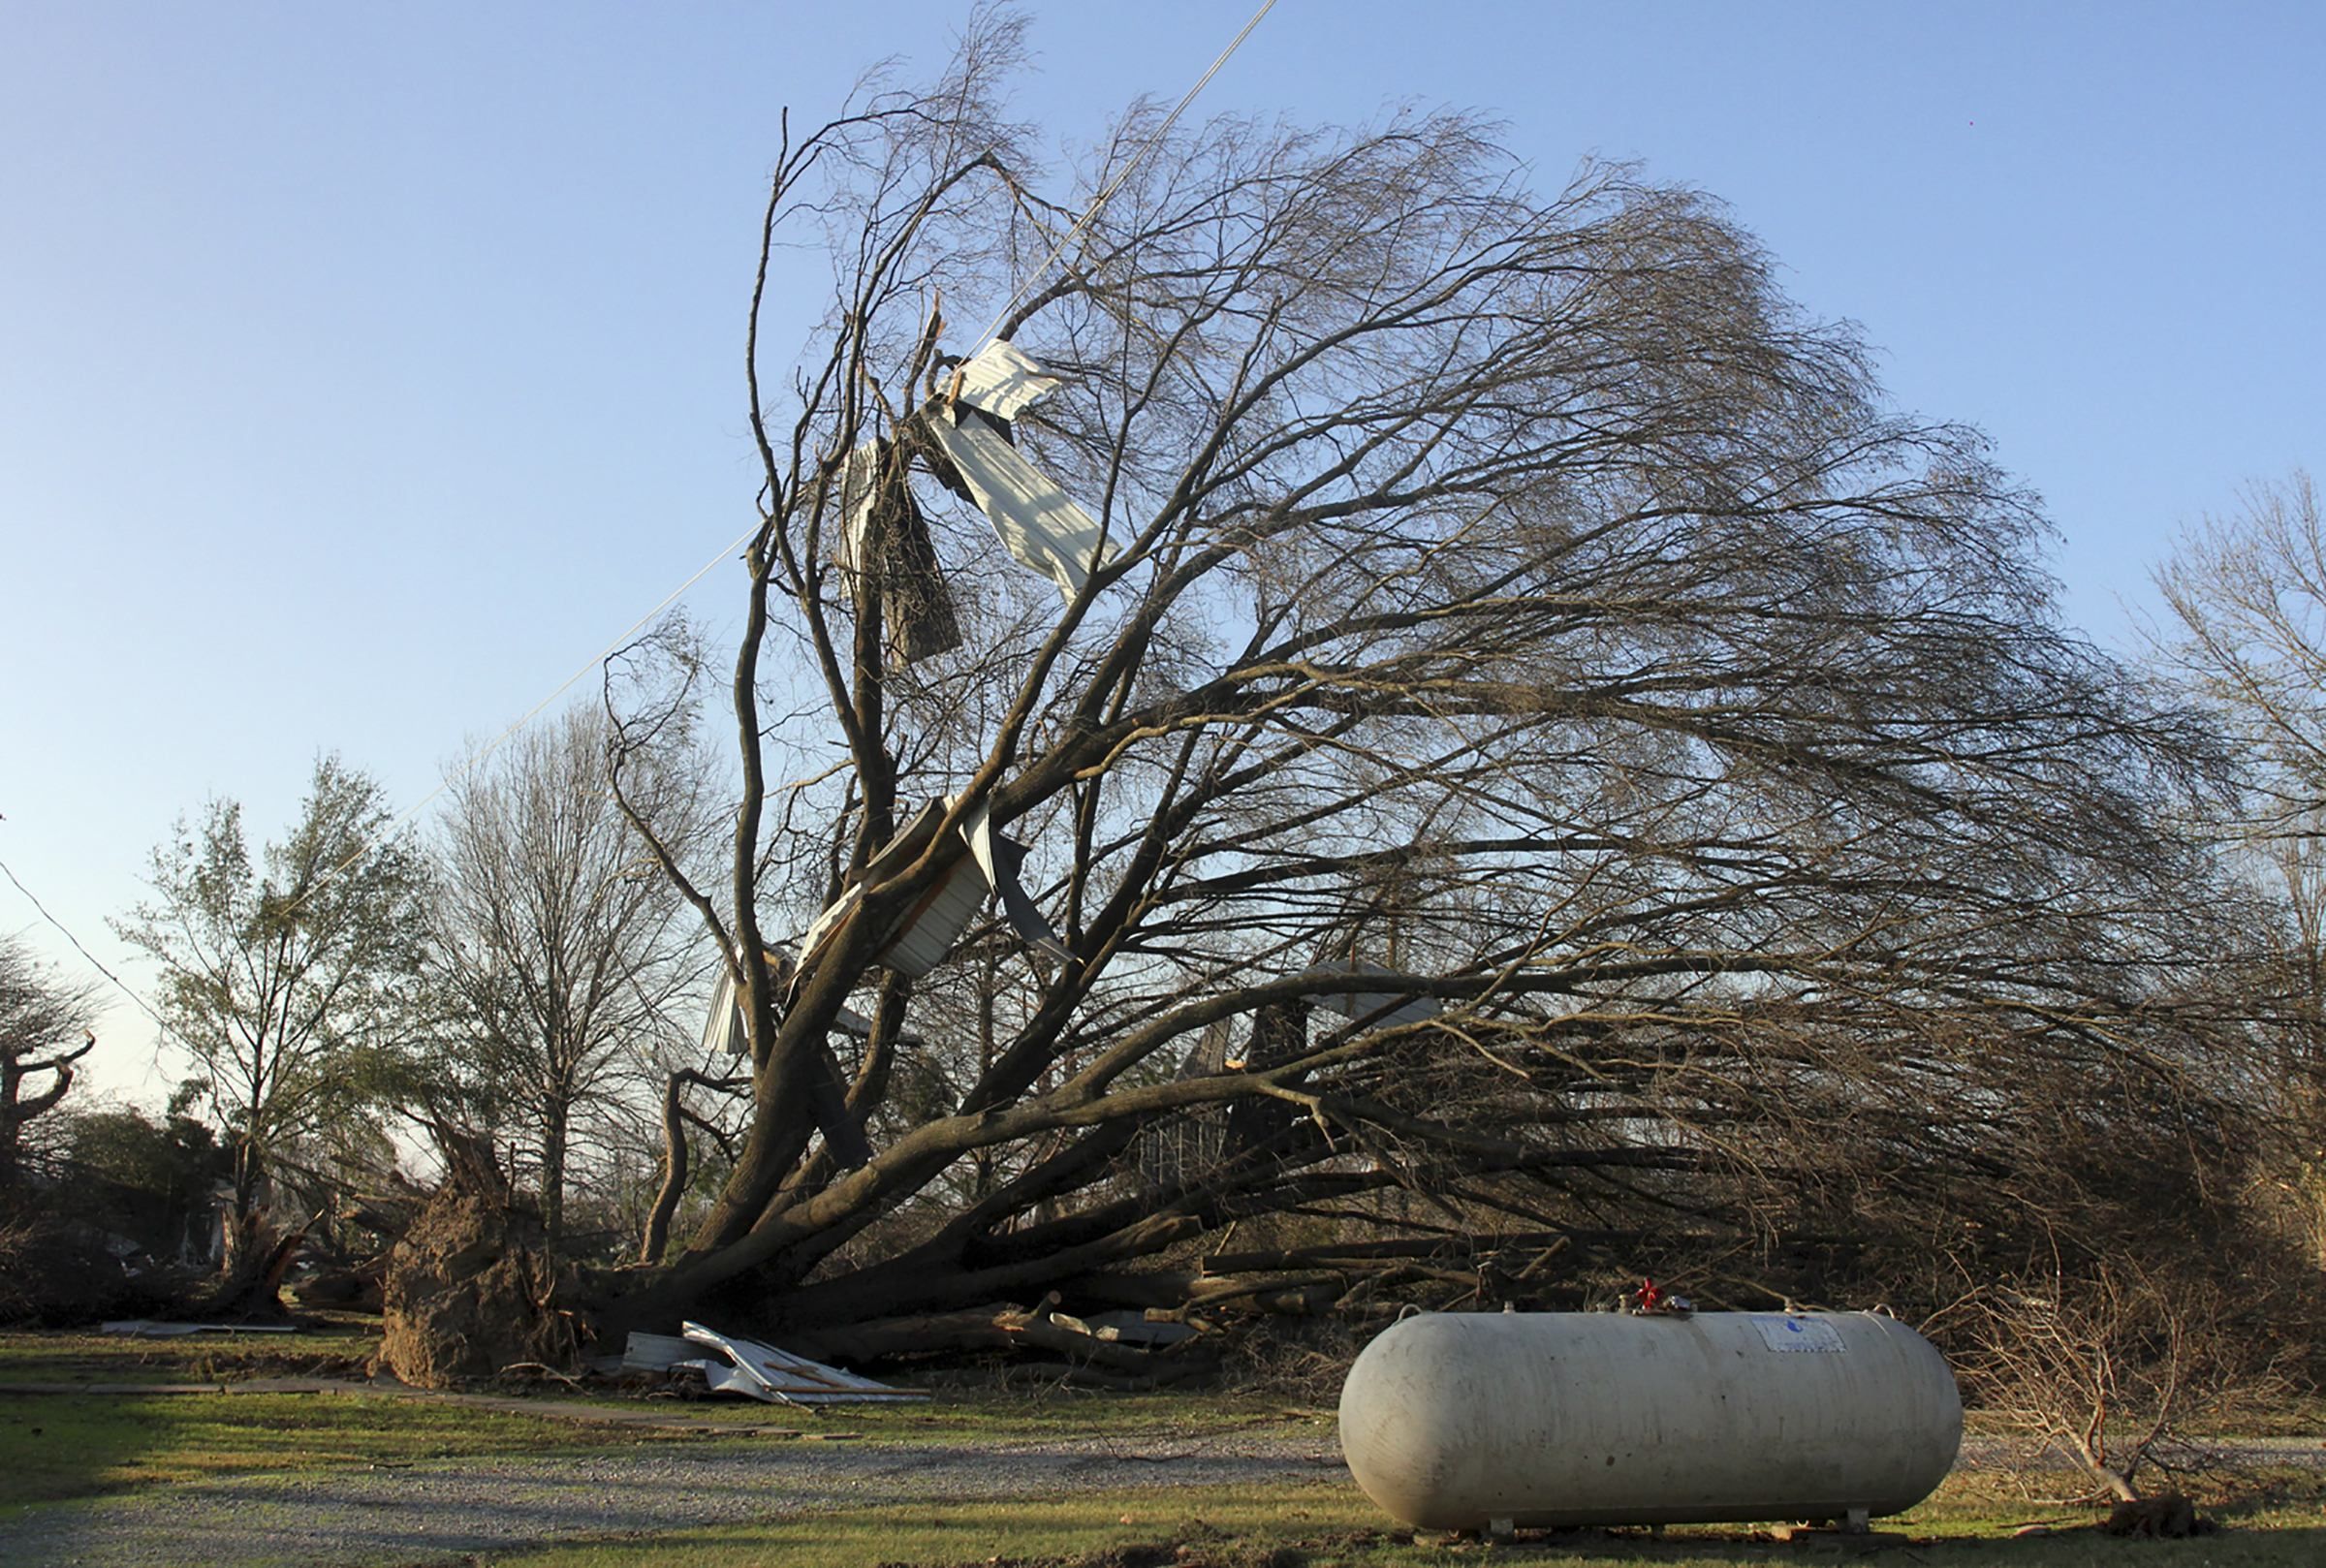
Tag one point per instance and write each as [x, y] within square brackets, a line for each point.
[471, 1287]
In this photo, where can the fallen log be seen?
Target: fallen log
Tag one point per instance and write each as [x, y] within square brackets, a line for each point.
[1300, 1292]
[1389, 1250]
[1000, 1326]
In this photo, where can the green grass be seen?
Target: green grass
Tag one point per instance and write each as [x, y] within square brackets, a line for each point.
[336, 1347]
[79, 1445]
[1060, 1415]
[54, 1446]
[341, 1348]
[1330, 1522]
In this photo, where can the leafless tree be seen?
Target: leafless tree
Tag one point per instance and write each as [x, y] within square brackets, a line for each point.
[1569, 744]
[43, 1032]
[565, 951]
[2248, 638]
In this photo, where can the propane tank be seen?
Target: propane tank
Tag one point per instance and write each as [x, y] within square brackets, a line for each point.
[1467, 1420]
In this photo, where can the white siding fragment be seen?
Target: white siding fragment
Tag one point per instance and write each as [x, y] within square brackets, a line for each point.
[928, 930]
[1003, 382]
[931, 930]
[999, 857]
[723, 1031]
[897, 555]
[849, 550]
[1035, 520]
[779, 1377]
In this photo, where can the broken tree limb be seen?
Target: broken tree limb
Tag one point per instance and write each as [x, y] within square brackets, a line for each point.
[1291, 1294]
[1002, 1327]
[1382, 1251]
[675, 1117]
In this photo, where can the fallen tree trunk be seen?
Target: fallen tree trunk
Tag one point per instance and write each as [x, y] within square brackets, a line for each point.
[1003, 1327]
[1286, 1292]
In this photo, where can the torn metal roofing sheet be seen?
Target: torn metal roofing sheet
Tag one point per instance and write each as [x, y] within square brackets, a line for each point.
[882, 537]
[937, 921]
[779, 1377]
[1002, 381]
[1001, 857]
[723, 1031]
[1033, 518]
[1374, 1009]
[931, 927]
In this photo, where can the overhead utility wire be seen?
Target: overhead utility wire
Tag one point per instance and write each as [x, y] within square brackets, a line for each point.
[527, 717]
[122, 985]
[1097, 205]
[1106, 192]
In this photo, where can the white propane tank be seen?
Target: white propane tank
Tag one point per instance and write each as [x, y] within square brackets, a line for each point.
[1461, 1421]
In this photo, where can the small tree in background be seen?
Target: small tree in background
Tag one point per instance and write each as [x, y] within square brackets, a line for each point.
[294, 981]
[44, 1031]
[564, 951]
[2248, 639]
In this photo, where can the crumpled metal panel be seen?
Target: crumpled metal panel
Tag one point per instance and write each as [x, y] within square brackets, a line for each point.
[1374, 1009]
[1036, 520]
[881, 537]
[1002, 381]
[779, 1377]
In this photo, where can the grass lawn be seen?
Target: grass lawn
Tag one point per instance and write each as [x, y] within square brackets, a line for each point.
[337, 1346]
[61, 1446]
[55, 1446]
[1330, 1522]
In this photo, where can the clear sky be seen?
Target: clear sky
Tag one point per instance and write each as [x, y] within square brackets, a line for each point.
[365, 369]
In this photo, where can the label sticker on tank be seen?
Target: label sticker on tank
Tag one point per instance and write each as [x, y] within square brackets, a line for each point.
[1799, 1335]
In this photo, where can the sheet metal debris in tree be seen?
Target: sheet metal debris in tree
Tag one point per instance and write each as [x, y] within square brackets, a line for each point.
[882, 536]
[1035, 520]
[930, 929]
[1002, 381]
[1376, 1009]
[723, 1032]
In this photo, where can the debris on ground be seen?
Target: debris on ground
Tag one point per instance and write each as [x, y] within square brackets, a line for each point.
[2166, 1517]
[149, 1329]
[759, 1371]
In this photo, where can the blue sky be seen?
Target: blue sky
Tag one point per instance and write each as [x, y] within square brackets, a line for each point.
[365, 369]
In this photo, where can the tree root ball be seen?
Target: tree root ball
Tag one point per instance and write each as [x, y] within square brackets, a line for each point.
[471, 1288]
[2166, 1518]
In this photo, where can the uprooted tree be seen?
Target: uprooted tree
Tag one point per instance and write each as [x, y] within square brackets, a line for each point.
[1542, 749]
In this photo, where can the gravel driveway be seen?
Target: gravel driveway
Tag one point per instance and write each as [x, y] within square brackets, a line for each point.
[439, 1512]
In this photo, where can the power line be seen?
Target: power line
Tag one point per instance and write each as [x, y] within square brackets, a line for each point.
[120, 984]
[1106, 192]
